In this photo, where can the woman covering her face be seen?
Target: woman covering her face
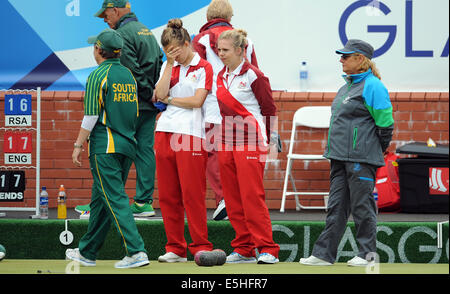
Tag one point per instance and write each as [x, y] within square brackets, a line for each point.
[185, 81]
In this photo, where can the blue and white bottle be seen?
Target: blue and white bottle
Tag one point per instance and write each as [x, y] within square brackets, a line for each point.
[304, 76]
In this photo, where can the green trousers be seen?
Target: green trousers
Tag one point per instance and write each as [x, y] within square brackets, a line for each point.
[110, 204]
[145, 156]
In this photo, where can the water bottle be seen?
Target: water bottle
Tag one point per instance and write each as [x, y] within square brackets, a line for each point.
[375, 197]
[304, 77]
[43, 204]
[62, 208]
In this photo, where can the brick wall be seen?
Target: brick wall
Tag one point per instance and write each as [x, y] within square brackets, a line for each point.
[418, 116]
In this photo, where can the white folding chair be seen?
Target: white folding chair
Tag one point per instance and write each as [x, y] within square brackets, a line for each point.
[439, 234]
[313, 117]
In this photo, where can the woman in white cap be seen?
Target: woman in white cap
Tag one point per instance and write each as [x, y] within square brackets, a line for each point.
[360, 131]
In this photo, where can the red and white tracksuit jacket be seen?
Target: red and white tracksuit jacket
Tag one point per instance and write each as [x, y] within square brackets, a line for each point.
[205, 43]
[246, 105]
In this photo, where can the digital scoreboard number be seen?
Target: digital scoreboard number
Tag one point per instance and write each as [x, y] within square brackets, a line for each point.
[17, 148]
[12, 186]
[18, 110]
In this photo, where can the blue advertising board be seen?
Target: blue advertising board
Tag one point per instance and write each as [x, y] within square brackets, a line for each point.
[39, 36]
[43, 43]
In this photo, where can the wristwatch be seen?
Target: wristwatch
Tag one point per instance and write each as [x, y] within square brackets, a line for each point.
[169, 100]
[75, 145]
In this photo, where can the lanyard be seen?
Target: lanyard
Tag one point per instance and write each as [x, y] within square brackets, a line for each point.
[228, 86]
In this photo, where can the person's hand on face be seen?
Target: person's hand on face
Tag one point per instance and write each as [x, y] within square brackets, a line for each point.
[172, 52]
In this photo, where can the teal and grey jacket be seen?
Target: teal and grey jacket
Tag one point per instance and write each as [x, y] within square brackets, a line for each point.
[361, 124]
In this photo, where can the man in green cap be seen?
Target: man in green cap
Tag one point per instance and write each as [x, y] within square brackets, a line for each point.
[111, 114]
[143, 56]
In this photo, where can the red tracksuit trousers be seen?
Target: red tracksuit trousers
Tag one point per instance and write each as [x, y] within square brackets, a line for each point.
[182, 187]
[242, 175]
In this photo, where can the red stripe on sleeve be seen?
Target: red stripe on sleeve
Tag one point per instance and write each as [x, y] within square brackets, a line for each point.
[263, 93]
[209, 75]
[208, 72]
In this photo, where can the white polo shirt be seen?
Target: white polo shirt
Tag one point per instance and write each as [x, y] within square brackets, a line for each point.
[185, 81]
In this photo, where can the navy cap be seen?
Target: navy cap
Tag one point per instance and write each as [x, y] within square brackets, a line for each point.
[357, 46]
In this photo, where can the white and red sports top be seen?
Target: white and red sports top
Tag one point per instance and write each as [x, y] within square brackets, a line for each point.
[205, 44]
[184, 82]
[246, 105]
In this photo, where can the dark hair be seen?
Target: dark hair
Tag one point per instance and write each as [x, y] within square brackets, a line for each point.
[175, 32]
[109, 54]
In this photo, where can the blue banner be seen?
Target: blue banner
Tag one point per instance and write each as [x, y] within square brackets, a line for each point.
[44, 42]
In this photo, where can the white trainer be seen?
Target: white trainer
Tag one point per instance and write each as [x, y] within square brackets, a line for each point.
[267, 258]
[171, 257]
[357, 261]
[137, 260]
[235, 257]
[312, 260]
[85, 214]
[74, 254]
[220, 213]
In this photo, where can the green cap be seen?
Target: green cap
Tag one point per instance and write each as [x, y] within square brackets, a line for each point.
[112, 4]
[108, 40]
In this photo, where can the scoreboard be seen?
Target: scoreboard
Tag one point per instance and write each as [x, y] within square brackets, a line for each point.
[17, 146]
[18, 110]
[12, 186]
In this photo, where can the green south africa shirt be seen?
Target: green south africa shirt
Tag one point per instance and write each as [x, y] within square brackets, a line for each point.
[111, 94]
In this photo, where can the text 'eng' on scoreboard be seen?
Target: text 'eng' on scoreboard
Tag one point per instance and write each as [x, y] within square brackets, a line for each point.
[17, 147]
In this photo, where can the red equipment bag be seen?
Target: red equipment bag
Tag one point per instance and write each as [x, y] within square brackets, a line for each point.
[387, 184]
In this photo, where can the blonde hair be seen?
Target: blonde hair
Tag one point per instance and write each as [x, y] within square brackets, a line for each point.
[175, 32]
[366, 64]
[237, 36]
[219, 9]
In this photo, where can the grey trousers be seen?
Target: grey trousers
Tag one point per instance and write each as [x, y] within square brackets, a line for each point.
[351, 188]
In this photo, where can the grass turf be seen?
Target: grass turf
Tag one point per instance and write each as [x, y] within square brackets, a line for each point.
[23, 266]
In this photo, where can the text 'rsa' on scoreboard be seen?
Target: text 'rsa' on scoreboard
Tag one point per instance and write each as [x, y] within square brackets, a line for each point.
[18, 110]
